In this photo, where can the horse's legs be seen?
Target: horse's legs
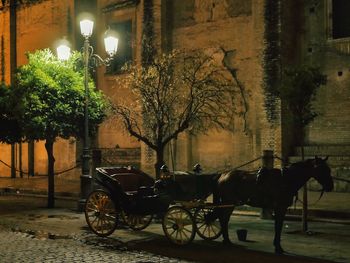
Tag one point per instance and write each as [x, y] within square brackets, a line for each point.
[224, 218]
[280, 213]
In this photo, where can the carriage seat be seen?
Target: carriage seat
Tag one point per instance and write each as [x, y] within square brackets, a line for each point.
[145, 201]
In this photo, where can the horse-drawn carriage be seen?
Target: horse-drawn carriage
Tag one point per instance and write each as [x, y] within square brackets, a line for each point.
[126, 195]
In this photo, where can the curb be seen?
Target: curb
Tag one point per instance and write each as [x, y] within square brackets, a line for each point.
[36, 193]
[292, 213]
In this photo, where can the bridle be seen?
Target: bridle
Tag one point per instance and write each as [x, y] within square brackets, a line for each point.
[297, 199]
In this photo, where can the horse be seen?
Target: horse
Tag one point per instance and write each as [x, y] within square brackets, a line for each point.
[275, 191]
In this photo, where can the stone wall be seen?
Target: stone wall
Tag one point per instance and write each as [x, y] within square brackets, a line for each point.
[121, 157]
[332, 126]
[234, 30]
[39, 26]
[329, 133]
[237, 28]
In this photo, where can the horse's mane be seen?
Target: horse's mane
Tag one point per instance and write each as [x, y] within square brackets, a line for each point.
[298, 166]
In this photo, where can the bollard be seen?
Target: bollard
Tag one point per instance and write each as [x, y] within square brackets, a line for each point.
[268, 163]
[267, 159]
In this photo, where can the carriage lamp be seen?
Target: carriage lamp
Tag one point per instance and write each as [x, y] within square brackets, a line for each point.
[91, 60]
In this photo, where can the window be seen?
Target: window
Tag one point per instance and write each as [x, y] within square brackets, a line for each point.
[340, 10]
[124, 52]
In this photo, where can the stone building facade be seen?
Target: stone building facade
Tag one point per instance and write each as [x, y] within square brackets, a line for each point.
[37, 25]
[309, 32]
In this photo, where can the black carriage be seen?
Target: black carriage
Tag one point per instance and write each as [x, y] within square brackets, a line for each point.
[130, 196]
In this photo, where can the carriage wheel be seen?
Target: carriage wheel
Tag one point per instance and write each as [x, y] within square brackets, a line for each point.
[178, 225]
[101, 213]
[207, 224]
[136, 222]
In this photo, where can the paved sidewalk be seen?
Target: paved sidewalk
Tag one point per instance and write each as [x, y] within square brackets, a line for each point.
[332, 205]
[326, 242]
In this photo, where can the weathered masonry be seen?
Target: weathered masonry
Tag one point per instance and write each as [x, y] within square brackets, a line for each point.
[308, 32]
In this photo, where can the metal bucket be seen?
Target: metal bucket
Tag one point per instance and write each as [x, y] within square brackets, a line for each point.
[242, 234]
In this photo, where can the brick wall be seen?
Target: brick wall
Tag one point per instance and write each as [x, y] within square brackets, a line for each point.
[332, 126]
[237, 27]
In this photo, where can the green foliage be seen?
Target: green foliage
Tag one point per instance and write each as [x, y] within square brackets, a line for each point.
[9, 128]
[50, 96]
[298, 91]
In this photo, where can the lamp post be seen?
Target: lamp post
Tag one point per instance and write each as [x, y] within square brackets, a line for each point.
[90, 60]
[86, 27]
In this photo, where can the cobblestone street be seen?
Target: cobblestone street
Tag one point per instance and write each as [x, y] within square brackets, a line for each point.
[24, 247]
[31, 233]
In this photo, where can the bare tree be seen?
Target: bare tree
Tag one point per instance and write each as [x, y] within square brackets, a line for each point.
[177, 92]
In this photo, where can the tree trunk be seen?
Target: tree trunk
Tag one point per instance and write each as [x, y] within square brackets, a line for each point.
[51, 179]
[159, 161]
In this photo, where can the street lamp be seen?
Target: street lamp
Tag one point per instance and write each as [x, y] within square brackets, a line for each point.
[90, 59]
[63, 50]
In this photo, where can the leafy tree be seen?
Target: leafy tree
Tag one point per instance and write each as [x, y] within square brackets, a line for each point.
[298, 91]
[10, 131]
[50, 96]
[173, 93]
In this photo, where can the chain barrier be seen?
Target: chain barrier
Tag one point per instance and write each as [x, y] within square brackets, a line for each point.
[220, 171]
[27, 173]
[283, 160]
[240, 166]
[258, 158]
[341, 179]
[9, 166]
[69, 169]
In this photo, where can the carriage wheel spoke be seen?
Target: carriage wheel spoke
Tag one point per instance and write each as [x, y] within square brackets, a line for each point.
[187, 230]
[100, 213]
[184, 233]
[204, 224]
[178, 225]
[207, 226]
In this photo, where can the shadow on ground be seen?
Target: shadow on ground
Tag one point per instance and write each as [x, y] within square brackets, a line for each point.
[213, 251]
